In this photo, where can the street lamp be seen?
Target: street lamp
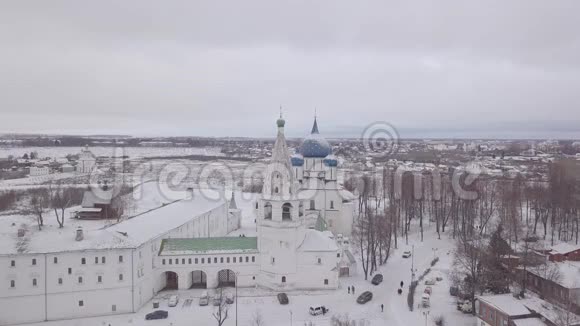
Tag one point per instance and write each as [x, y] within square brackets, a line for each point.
[426, 313]
[290, 317]
[412, 263]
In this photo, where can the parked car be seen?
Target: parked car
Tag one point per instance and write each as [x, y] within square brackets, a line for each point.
[173, 300]
[439, 278]
[229, 298]
[364, 297]
[428, 290]
[204, 299]
[406, 254]
[377, 279]
[315, 311]
[430, 281]
[283, 298]
[157, 314]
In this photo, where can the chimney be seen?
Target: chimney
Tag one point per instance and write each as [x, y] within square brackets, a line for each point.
[80, 235]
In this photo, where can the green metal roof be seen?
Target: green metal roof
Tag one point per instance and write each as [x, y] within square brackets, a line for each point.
[210, 244]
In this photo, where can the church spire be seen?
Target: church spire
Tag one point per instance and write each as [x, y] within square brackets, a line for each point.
[280, 150]
[314, 127]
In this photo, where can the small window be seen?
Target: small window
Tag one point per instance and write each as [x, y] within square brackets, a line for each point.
[96, 260]
[120, 259]
[33, 261]
[195, 261]
[114, 308]
[222, 260]
[338, 255]
[81, 303]
[256, 205]
[34, 283]
[163, 261]
[60, 281]
[69, 271]
[12, 263]
[234, 259]
[120, 277]
[283, 279]
[253, 259]
[253, 277]
[83, 261]
[215, 260]
[240, 259]
[272, 260]
[203, 260]
[176, 261]
[170, 261]
[312, 204]
[80, 280]
[209, 260]
[325, 281]
[183, 261]
[12, 283]
[55, 260]
[320, 260]
[99, 279]
[103, 260]
[332, 204]
[247, 259]
[228, 259]
[189, 261]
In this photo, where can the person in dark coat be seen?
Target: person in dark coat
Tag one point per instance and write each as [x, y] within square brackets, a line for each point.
[349, 289]
[353, 289]
[382, 307]
[402, 283]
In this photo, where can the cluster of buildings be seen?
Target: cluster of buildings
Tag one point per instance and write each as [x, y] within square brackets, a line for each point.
[302, 220]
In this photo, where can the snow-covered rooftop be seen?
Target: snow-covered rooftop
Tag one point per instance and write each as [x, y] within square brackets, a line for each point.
[506, 303]
[529, 322]
[317, 241]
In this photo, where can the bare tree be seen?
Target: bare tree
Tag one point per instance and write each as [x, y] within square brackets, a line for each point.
[39, 202]
[221, 313]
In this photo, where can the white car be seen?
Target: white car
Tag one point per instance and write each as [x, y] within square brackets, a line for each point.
[204, 299]
[173, 300]
[430, 282]
[406, 254]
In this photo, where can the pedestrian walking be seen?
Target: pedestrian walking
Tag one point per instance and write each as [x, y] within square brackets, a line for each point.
[382, 307]
[349, 289]
[353, 289]
[402, 283]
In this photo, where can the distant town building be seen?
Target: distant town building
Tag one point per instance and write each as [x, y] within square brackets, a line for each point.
[87, 161]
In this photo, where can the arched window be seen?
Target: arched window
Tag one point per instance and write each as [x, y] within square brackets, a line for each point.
[286, 209]
[312, 205]
[283, 279]
[268, 211]
[276, 190]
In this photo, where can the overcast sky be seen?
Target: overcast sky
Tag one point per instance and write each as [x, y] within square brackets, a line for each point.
[217, 68]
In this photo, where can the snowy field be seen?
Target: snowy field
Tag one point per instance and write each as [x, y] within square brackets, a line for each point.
[132, 152]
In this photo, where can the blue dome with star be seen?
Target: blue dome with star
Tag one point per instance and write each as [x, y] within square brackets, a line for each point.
[315, 145]
[297, 160]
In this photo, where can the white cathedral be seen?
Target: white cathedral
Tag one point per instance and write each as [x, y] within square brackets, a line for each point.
[98, 271]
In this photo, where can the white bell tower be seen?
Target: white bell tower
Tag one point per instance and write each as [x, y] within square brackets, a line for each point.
[281, 227]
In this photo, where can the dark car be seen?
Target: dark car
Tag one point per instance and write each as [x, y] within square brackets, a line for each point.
[377, 279]
[283, 298]
[158, 314]
[364, 297]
